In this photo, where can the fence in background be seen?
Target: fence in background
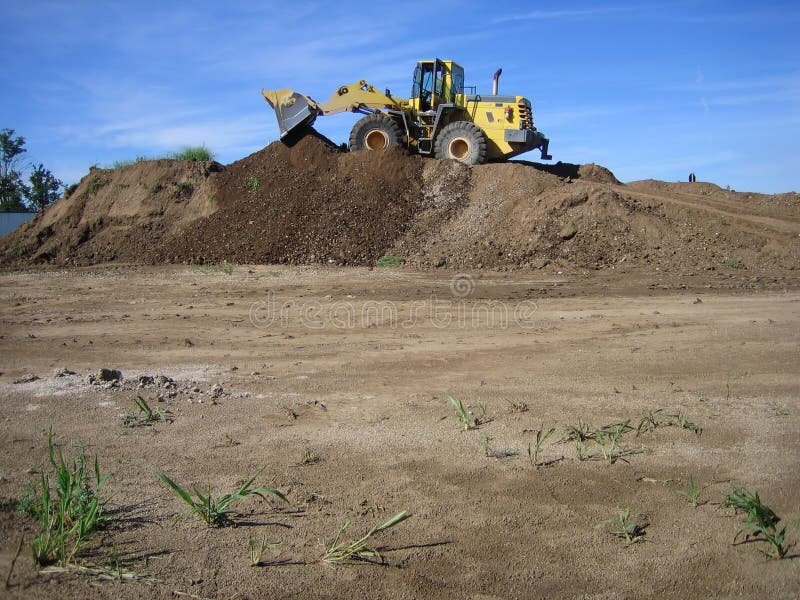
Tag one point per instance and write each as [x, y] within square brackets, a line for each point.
[9, 221]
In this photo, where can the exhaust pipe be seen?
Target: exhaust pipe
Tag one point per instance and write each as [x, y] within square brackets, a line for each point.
[495, 81]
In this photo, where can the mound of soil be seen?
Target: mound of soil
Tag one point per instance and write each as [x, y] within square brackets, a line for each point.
[116, 214]
[300, 204]
[310, 202]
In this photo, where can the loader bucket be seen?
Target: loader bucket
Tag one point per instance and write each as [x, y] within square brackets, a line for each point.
[294, 111]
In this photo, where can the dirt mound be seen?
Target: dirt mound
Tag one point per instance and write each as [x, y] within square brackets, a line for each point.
[514, 216]
[305, 203]
[310, 202]
[115, 214]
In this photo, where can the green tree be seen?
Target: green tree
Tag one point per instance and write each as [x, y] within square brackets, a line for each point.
[43, 190]
[12, 188]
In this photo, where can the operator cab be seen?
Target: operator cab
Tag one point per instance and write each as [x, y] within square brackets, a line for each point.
[436, 81]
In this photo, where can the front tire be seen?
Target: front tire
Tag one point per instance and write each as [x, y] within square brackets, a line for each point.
[462, 141]
[375, 132]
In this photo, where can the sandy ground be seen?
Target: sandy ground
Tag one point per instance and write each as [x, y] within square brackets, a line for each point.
[333, 383]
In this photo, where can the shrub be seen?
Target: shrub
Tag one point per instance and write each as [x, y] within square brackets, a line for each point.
[194, 153]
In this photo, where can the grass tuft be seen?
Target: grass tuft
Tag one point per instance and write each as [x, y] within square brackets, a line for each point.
[389, 261]
[341, 552]
[193, 153]
[761, 524]
[626, 525]
[682, 421]
[257, 549]
[142, 414]
[464, 415]
[67, 505]
[210, 267]
[535, 450]
[649, 422]
[215, 512]
[692, 493]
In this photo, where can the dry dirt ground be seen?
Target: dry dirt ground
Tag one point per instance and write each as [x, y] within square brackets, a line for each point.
[332, 384]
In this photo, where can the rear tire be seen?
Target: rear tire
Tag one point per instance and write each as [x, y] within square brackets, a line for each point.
[462, 141]
[375, 132]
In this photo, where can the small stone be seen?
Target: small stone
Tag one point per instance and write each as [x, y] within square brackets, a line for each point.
[697, 301]
[109, 375]
[164, 381]
[568, 231]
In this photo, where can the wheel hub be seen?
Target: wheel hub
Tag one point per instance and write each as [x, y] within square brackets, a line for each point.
[459, 148]
[376, 140]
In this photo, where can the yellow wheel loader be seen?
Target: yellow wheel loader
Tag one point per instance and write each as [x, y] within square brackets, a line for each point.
[442, 118]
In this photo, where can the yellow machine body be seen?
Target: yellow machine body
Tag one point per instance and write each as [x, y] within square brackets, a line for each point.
[441, 117]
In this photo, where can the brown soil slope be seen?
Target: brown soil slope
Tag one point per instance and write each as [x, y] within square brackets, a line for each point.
[311, 203]
[115, 214]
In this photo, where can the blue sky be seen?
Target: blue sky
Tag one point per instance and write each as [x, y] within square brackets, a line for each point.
[648, 89]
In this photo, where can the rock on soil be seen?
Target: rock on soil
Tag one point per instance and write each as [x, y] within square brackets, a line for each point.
[312, 203]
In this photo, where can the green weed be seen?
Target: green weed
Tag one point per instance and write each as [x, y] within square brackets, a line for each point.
[96, 183]
[692, 493]
[215, 512]
[680, 420]
[580, 450]
[210, 267]
[487, 439]
[761, 523]
[389, 261]
[310, 457]
[341, 552]
[257, 549]
[626, 526]
[608, 438]
[616, 428]
[465, 417]
[193, 153]
[125, 163]
[649, 422]
[253, 184]
[67, 506]
[580, 432]
[733, 264]
[142, 414]
[541, 438]
[184, 188]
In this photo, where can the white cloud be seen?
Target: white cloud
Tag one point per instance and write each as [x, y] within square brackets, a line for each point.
[538, 15]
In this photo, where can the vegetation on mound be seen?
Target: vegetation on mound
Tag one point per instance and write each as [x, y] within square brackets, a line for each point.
[188, 153]
[389, 261]
[193, 153]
